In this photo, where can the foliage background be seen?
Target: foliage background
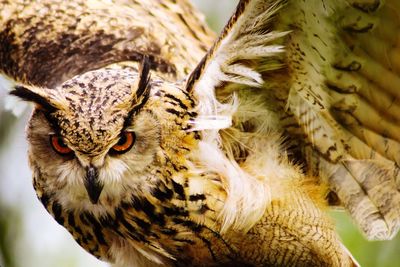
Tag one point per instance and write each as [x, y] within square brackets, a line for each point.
[30, 237]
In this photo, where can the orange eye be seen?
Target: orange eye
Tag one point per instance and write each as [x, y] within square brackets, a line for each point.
[59, 146]
[125, 142]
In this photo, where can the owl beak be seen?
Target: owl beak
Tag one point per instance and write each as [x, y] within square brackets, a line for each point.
[92, 184]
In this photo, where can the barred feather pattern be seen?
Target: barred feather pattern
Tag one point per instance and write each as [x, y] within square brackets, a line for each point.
[229, 163]
[324, 93]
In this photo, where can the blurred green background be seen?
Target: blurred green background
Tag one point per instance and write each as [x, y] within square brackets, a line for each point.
[29, 237]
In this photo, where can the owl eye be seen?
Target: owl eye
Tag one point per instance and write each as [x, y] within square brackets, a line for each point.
[59, 146]
[125, 142]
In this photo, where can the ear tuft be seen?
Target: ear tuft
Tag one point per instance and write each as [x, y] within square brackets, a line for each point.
[142, 92]
[144, 77]
[143, 87]
[33, 95]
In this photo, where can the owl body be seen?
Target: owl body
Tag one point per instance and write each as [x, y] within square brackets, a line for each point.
[157, 161]
[161, 194]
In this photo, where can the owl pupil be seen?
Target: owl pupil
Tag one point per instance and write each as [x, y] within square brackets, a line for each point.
[61, 142]
[122, 140]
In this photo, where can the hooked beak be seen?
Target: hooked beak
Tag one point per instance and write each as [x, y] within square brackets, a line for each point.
[92, 184]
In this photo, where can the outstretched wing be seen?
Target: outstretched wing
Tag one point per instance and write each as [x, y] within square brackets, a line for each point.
[326, 75]
[47, 42]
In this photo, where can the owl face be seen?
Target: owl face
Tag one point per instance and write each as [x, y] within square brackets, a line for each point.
[95, 137]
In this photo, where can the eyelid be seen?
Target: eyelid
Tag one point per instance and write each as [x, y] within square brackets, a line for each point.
[56, 134]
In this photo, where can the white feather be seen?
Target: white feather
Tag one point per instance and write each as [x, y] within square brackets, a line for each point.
[241, 209]
[211, 123]
[247, 193]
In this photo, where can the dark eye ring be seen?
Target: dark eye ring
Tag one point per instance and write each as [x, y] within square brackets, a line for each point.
[125, 143]
[59, 146]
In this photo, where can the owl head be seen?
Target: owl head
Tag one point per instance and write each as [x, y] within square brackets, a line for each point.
[98, 134]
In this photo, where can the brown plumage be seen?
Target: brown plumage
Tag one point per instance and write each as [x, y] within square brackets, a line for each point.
[157, 161]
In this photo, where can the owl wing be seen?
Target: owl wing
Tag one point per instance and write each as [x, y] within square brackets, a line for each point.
[328, 74]
[47, 42]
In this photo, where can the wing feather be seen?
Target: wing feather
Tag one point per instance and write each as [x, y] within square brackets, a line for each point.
[349, 48]
[72, 37]
[331, 72]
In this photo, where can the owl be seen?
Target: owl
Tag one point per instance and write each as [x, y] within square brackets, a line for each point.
[155, 143]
